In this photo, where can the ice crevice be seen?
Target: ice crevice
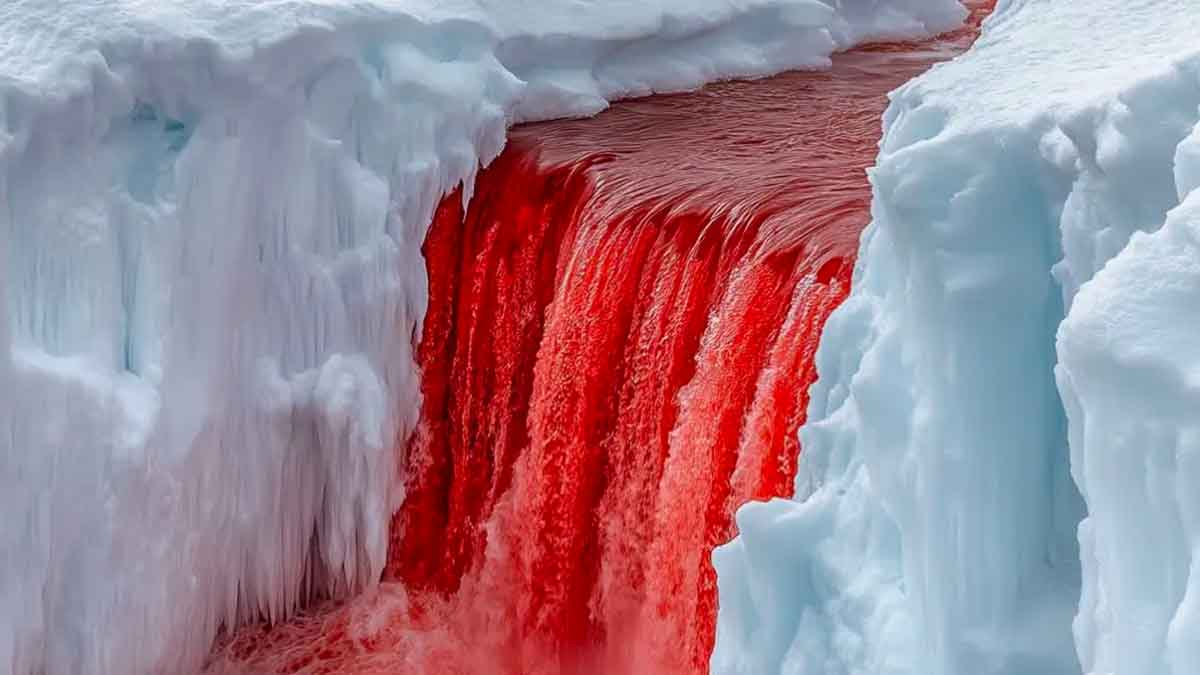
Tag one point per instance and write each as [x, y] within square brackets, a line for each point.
[211, 216]
[998, 470]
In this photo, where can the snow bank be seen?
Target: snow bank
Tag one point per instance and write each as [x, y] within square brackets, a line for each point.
[210, 272]
[935, 527]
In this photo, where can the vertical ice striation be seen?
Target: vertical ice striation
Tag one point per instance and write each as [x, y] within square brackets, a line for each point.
[935, 530]
[211, 280]
[205, 382]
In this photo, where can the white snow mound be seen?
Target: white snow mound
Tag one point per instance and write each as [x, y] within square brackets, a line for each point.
[1024, 311]
[210, 275]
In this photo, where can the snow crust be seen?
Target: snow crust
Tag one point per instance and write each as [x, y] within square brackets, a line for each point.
[210, 272]
[1024, 312]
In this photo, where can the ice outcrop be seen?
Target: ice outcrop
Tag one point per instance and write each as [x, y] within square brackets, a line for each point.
[1021, 314]
[210, 273]
[1128, 374]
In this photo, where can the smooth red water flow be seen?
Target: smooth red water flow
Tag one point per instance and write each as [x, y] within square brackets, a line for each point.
[617, 352]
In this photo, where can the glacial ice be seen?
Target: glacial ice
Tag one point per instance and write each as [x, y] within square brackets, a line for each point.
[1128, 373]
[1024, 313]
[210, 271]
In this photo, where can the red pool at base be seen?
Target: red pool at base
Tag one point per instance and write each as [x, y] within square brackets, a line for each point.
[616, 355]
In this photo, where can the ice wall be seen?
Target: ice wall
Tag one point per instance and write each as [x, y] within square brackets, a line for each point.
[210, 275]
[1129, 363]
[935, 526]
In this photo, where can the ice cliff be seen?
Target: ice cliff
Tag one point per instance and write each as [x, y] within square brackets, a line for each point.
[211, 216]
[999, 475]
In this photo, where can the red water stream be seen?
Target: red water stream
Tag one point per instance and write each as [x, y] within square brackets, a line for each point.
[616, 355]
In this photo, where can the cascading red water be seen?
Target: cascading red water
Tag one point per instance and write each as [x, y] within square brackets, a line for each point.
[616, 355]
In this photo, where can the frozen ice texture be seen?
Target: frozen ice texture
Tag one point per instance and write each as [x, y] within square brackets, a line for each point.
[1024, 312]
[211, 216]
[1128, 373]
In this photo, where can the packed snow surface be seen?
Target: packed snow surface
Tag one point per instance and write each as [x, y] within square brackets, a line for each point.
[1024, 312]
[210, 275]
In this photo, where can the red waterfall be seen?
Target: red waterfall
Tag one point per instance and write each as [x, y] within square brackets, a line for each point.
[618, 347]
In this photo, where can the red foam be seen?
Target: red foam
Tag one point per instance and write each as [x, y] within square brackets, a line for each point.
[616, 355]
